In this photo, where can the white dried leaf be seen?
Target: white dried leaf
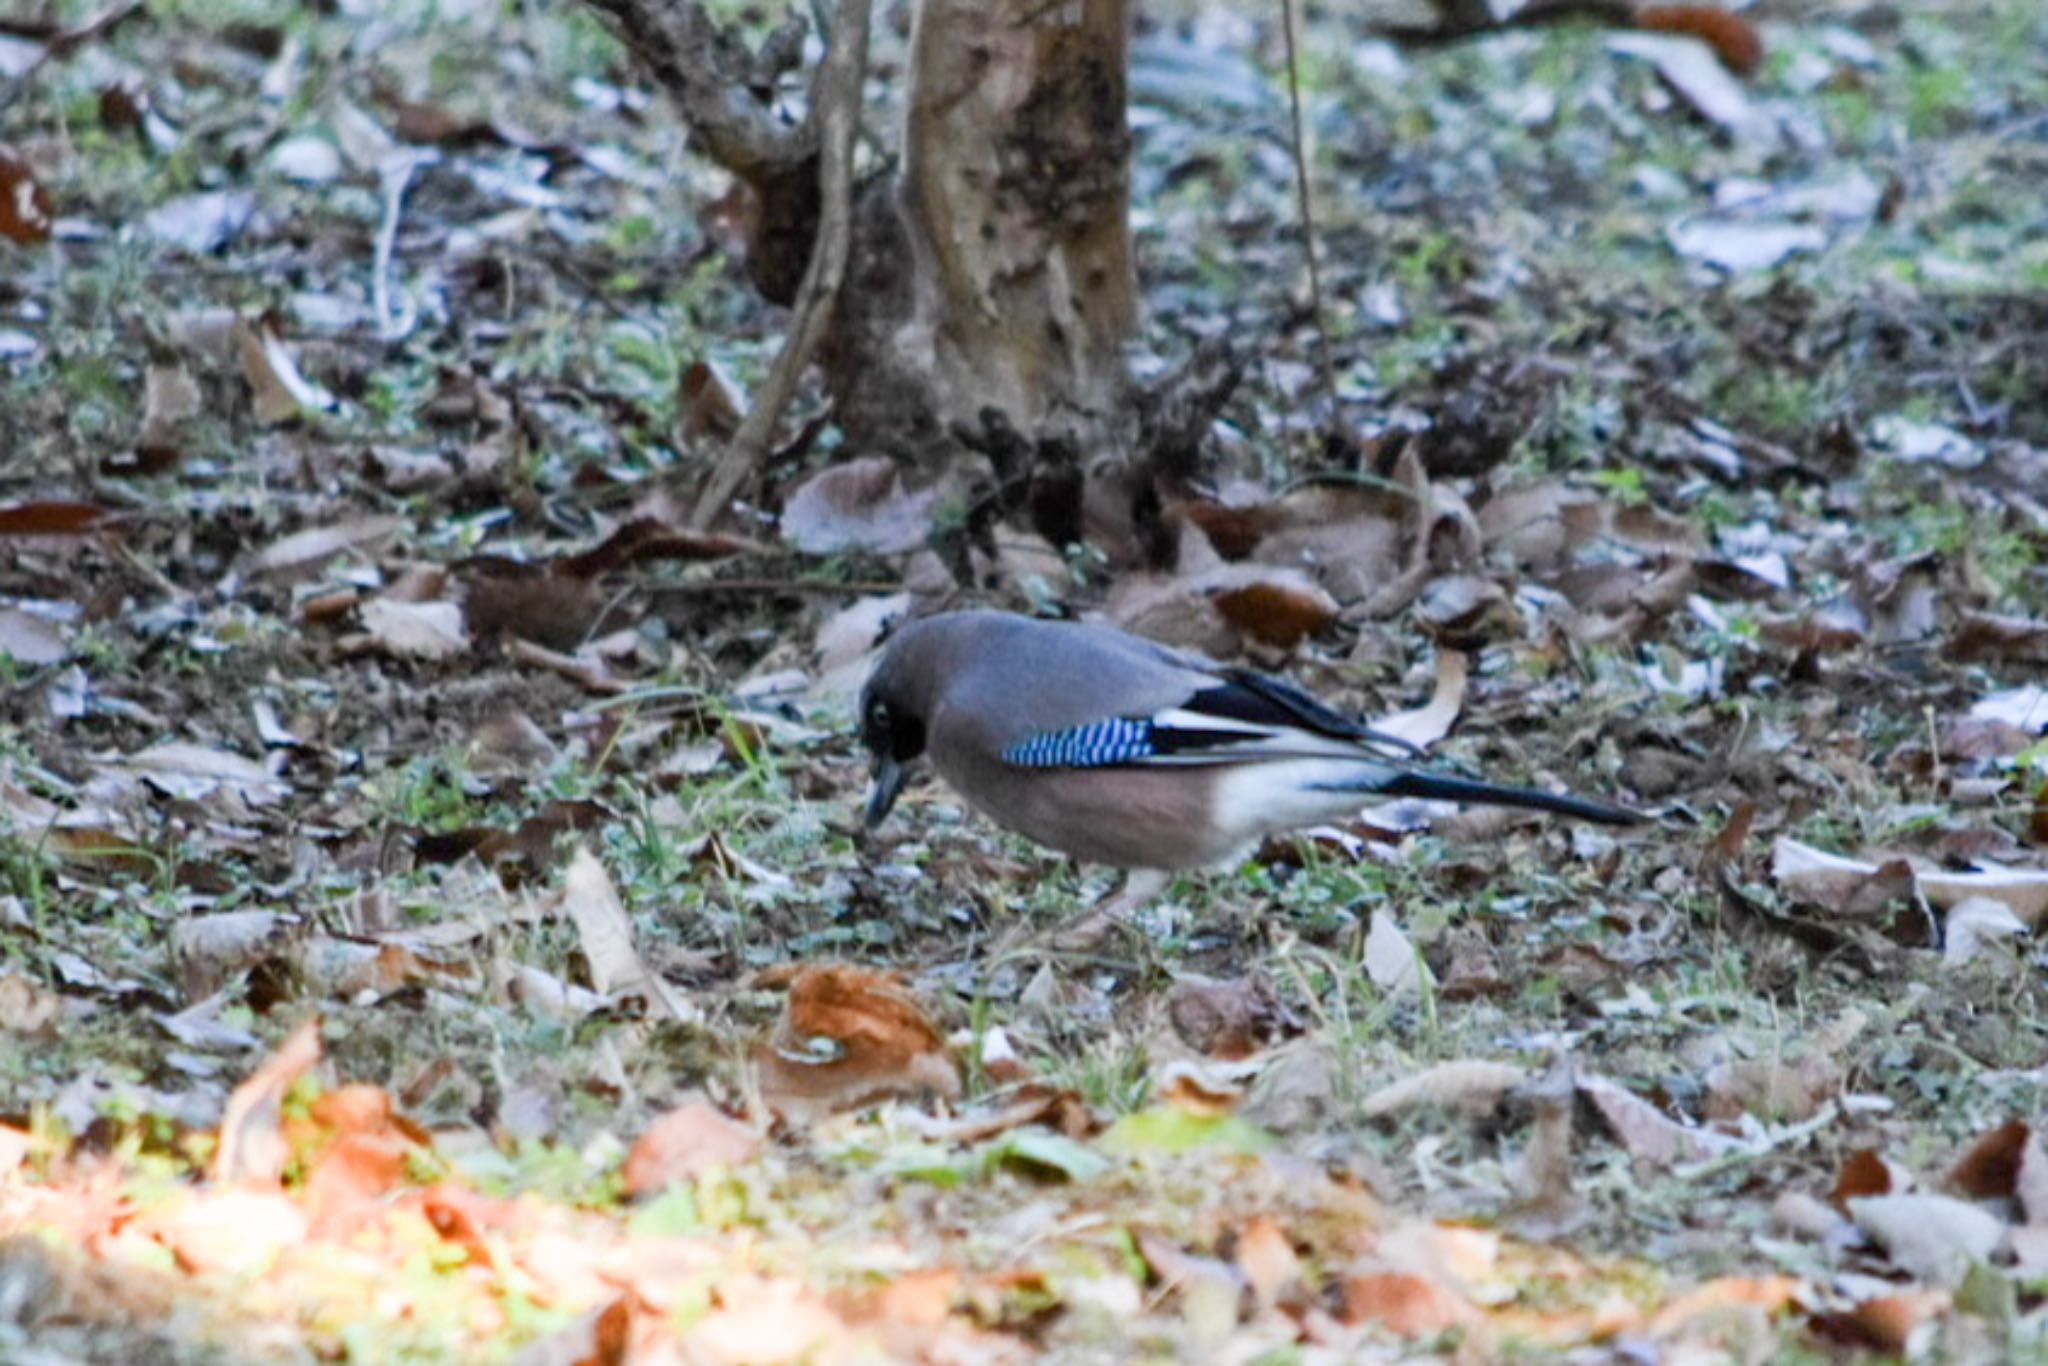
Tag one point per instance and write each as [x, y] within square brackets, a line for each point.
[1739, 248]
[277, 391]
[593, 906]
[2024, 708]
[1972, 922]
[193, 772]
[417, 630]
[1930, 1237]
[1470, 1084]
[303, 552]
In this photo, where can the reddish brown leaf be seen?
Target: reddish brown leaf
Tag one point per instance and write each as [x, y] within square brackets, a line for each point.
[1771, 1294]
[1884, 1322]
[1985, 635]
[644, 539]
[694, 1138]
[1993, 1164]
[1724, 850]
[51, 518]
[708, 403]
[461, 1217]
[1266, 1256]
[920, 1299]
[850, 1037]
[358, 1108]
[1229, 1019]
[1405, 1304]
[25, 212]
[350, 1175]
[1234, 532]
[1863, 1173]
[1278, 612]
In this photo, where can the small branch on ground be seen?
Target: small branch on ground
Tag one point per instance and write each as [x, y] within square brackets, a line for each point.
[835, 111]
[393, 176]
[1290, 22]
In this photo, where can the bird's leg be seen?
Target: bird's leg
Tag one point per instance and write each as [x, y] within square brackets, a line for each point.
[1087, 930]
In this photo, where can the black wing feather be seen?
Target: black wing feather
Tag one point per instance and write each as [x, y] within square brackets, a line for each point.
[1264, 700]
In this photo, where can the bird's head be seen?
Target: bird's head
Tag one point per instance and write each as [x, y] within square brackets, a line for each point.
[894, 706]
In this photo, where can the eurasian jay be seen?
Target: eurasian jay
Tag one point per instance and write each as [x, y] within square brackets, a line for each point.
[1113, 749]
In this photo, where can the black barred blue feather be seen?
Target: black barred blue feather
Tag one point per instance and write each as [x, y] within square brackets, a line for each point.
[1119, 740]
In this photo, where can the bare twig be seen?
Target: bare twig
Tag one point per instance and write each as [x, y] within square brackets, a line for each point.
[1290, 23]
[393, 176]
[700, 67]
[835, 109]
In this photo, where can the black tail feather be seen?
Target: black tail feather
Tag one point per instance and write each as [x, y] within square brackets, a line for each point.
[1445, 788]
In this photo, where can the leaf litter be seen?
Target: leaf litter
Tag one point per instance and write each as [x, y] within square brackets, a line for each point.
[1692, 464]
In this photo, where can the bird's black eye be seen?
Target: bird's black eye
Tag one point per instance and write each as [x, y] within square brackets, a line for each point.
[874, 726]
[885, 732]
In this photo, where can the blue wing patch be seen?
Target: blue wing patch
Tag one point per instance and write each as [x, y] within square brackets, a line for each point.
[1099, 744]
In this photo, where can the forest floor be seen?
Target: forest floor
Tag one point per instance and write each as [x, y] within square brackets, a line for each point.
[434, 918]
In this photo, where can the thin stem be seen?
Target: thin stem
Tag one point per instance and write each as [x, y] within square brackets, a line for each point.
[1290, 23]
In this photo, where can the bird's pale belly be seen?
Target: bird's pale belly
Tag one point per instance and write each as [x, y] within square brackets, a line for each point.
[1127, 818]
[1169, 817]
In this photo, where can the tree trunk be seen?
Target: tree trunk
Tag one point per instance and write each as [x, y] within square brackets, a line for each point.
[990, 293]
[1015, 197]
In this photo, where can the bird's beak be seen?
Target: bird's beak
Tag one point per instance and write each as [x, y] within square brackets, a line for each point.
[890, 775]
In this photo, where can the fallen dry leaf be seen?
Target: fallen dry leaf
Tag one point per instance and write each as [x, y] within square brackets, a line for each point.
[1469, 1084]
[694, 1138]
[277, 391]
[708, 404]
[1771, 1294]
[1834, 880]
[416, 630]
[208, 949]
[1889, 1323]
[1427, 724]
[1930, 1237]
[26, 1008]
[25, 211]
[1277, 611]
[1228, 1020]
[1648, 1133]
[2025, 708]
[194, 772]
[239, 1233]
[1985, 635]
[849, 1037]
[304, 552]
[1973, 923]
[32, 639]
[1390, 959]
[252, 1146]
[858, 506]
[1266, 1257]
[200, 224]
[52, 517]
[170, 401]
[1405, 1304]
[2008, 1163]
[756, 1320]
[593, 906]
